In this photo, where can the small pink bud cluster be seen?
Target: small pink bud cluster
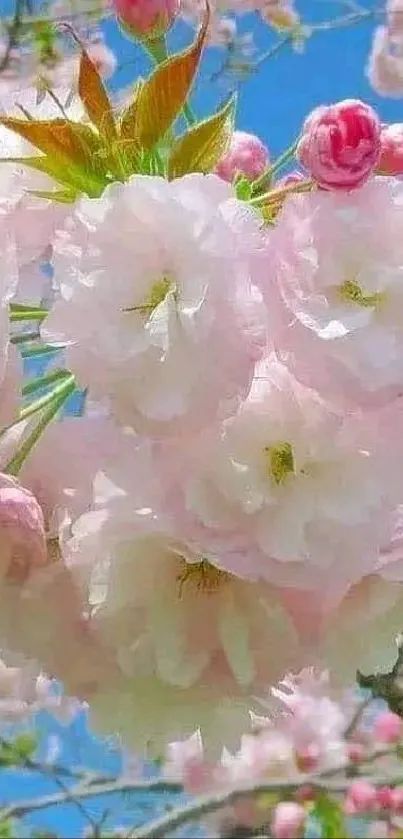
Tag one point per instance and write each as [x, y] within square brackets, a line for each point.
[365, 797]
[340, 144]
[247, 156]
[146, 19]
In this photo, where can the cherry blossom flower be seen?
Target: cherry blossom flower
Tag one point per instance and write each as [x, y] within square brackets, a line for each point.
[337, 269]
[277, 491]
[176, 326]
[175, 621]
[385, 65]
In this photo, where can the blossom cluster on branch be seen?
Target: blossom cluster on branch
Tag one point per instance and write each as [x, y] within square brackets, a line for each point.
[201, 482]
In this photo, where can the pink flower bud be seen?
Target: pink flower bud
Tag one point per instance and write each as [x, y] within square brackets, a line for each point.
[146, 19]
[22, 531]
[391, 159]
[361, 798]
[355, 752]
[307, 759]
[288, 820]
[246, 155]
[340, 144]
[293, 177]
[384, 797]
[397, 800]
[388, 728]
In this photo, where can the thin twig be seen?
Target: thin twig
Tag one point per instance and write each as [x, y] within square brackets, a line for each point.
[13, 33]
[205, 805]
[81, 792]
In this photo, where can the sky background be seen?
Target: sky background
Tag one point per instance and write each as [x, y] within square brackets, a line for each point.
[273, 104]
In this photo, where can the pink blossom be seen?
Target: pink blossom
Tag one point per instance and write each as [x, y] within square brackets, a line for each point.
[277, 490]
[385, 65]
[280, 14]
[388, 728]
[361, 797]
[148, 19]
[397, 800]
[186, 764]
[168, 270]
[384, 797]
[288, 820]
[391, 159]
[102, 56]
[340, 144]
[335, 293]
[293, 177]
[22, 539]
[394, 17]
[246, 156]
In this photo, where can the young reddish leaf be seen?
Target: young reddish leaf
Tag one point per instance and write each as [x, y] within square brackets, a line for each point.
[73, 176]
[127, 122]
[165, 92]
[204, 144]
[95, 98]
[57, 137]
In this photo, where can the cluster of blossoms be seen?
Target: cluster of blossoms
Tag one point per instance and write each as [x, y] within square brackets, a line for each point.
[275, 781]
[227, 504]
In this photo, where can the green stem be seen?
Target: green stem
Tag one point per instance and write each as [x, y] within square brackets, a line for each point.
[46, 400]
[274, 195]
[60, 396]
[271, 170]
[44, 381]
[28, 314]
[24, 337]
[37, 349]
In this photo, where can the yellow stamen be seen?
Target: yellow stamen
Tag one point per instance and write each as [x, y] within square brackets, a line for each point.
[202, 576]
[280, 461]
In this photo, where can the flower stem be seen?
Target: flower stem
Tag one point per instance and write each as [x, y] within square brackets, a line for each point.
[59, 397]
[278, 164]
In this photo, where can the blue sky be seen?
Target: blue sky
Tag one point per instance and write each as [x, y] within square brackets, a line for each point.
[272, 104]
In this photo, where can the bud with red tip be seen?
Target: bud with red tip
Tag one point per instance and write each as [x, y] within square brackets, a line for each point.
[340, 144]
[288, 820]
[146, 19]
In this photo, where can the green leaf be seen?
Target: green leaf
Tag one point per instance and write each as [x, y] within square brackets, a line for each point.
[328, 812]
[62, 196]
[6, 829]
[75, 177]
[200, 149]
[23, 313]
[54, 402]
[165, 92]
[243, 189]
[70, 140]
[25, 745]
[18, 751]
